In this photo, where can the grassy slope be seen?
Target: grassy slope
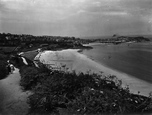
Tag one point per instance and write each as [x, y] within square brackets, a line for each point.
[56, 91]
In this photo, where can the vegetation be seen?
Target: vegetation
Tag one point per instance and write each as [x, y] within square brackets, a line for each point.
[61, 92]
[29, 42]
[3, 66]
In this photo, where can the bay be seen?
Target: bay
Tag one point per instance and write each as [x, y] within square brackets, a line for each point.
[134, 59]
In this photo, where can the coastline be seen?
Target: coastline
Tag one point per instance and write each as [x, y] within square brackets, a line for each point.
[81, 63]
[134, 83]
[16, 98]
[92, 44]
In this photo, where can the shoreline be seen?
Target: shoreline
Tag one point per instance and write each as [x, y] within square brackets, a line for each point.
[134, 83]
[75, 61]
[100, 43]
[92, 44]
[81, 63]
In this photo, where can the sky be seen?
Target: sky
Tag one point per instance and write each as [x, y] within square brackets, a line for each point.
[76, 17]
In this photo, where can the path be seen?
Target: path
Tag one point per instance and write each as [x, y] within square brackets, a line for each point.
[12, 98]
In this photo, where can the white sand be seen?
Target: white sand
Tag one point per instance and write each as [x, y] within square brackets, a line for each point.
[81, 63]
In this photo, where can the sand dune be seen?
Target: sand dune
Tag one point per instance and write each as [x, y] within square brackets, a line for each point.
[72, 60]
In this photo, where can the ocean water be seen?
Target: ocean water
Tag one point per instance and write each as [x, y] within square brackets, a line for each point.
[134, 59]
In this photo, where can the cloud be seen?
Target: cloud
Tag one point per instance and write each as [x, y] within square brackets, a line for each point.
[116, 13]
[104, 7]
[35, 10]
[143, 4]
[15, 4]
[75, 17]
[138, 7]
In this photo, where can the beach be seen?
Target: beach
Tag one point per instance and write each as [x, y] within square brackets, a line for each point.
[71, 60]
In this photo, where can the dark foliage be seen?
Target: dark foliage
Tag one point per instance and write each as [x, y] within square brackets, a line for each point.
[3, 69]
[3, 66]
[28, 77]
[55, 91]
[17, 61]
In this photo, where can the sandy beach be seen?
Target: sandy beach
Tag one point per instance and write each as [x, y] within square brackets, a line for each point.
[70, 60]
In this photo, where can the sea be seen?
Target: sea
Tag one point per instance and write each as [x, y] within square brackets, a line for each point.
[134, 59]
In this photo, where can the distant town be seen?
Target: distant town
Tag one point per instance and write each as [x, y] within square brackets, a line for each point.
[25, 42]
[29, 42]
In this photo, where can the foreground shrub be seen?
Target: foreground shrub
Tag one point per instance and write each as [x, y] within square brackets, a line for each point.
[28, 77]
[55, 91]
[31, 76]
[3, 70]
[3, 66]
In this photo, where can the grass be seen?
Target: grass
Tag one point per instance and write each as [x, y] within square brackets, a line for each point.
[7, 50]
[57, 92]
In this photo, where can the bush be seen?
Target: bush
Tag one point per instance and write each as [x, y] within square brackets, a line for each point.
[3, 70]
[31, 76]
[3, 66]
[28, 75]
[79, 94]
